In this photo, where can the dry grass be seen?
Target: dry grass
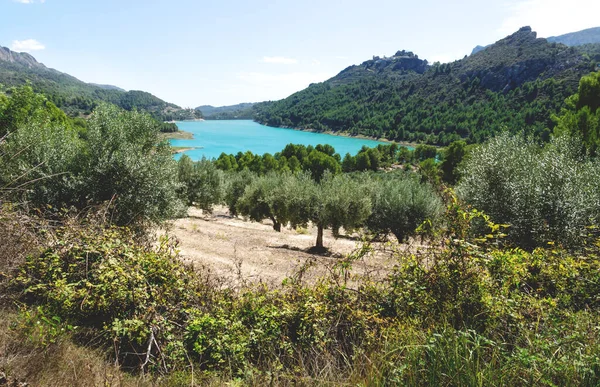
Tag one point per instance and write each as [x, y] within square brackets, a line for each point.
[60, 364]
[17, 240]
[23, 360]
[231, 248]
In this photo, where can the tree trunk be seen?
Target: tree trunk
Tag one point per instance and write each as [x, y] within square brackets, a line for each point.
[399, 236]
[320, 236]
[336, 231]
[276, 225]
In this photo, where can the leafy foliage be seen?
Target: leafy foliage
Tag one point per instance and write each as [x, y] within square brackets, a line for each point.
[581, 116]
[545, 193]
[127, 165]
[102, 279]
[269, 197]
[202, 183]
[118, 158]
[42, 150]
[236, 186]
[401, 205]
[337, 201]
[463, 311]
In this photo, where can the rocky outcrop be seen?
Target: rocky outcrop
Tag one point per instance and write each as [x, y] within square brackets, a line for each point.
[403, 64]
[401, 61]
[573, 39]
[21, 58]
[517, 59]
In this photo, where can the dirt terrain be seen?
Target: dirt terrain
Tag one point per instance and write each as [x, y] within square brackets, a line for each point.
[242, 250]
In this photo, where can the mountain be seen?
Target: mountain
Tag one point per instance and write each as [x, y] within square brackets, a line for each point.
[591, 35]
[107, 87]
[579, 38]
[232, 112]
[79, 98]
[515, 84]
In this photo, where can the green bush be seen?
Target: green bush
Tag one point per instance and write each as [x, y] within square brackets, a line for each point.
[128, 166]
[544, 193]
[459, 313]
[203, 184]
[41, 154]
[401, 205]
[103, 280]
[236, 183]
[47, 160]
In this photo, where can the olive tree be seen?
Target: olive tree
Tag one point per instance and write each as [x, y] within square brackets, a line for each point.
[202, 183]
[545, 194]
[336, 201]
[401, 205]
[127, 165]
[41, 153]
[268, 197]
[236, 183]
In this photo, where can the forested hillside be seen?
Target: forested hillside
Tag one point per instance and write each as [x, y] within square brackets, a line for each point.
[516, 84]
[79, 98]
[241, 111]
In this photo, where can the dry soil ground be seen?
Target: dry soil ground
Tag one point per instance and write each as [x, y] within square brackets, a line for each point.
[240, 250]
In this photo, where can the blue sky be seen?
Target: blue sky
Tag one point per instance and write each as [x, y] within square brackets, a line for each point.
[229, 51]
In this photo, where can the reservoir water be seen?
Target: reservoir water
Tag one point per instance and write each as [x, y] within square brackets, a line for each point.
[211, 138]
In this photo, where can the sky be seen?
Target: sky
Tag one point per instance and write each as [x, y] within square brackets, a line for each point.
[224, 52]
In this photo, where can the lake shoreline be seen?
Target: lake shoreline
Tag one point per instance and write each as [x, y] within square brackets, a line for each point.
[235, 136]
[182, 149]
[179, 135]
[194, 120]
[343, 134]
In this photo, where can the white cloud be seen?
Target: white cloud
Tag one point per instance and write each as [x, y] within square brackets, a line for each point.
[29, 1]
[316, 62]
[551, 17]
[278, 60]
[27, 45]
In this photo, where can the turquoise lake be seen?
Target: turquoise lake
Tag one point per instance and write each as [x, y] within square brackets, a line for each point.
[231, 137]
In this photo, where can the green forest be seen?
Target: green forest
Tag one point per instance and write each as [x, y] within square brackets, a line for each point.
[77, 98]
[516, 84]
[504, 292]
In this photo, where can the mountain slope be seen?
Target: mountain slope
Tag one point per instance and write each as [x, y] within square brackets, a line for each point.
[107, 87]
[579, 38]
[515, 84]
[239, 111]
[76, 97]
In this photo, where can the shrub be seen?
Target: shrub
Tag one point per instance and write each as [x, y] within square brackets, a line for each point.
[202, 183]
[236, 186]
[134, 296]
[41, 153]
[127, 165]
[544, 194]
[401, 205]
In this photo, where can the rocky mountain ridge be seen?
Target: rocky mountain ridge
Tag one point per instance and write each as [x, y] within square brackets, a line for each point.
[572, 39]
[76, 97]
